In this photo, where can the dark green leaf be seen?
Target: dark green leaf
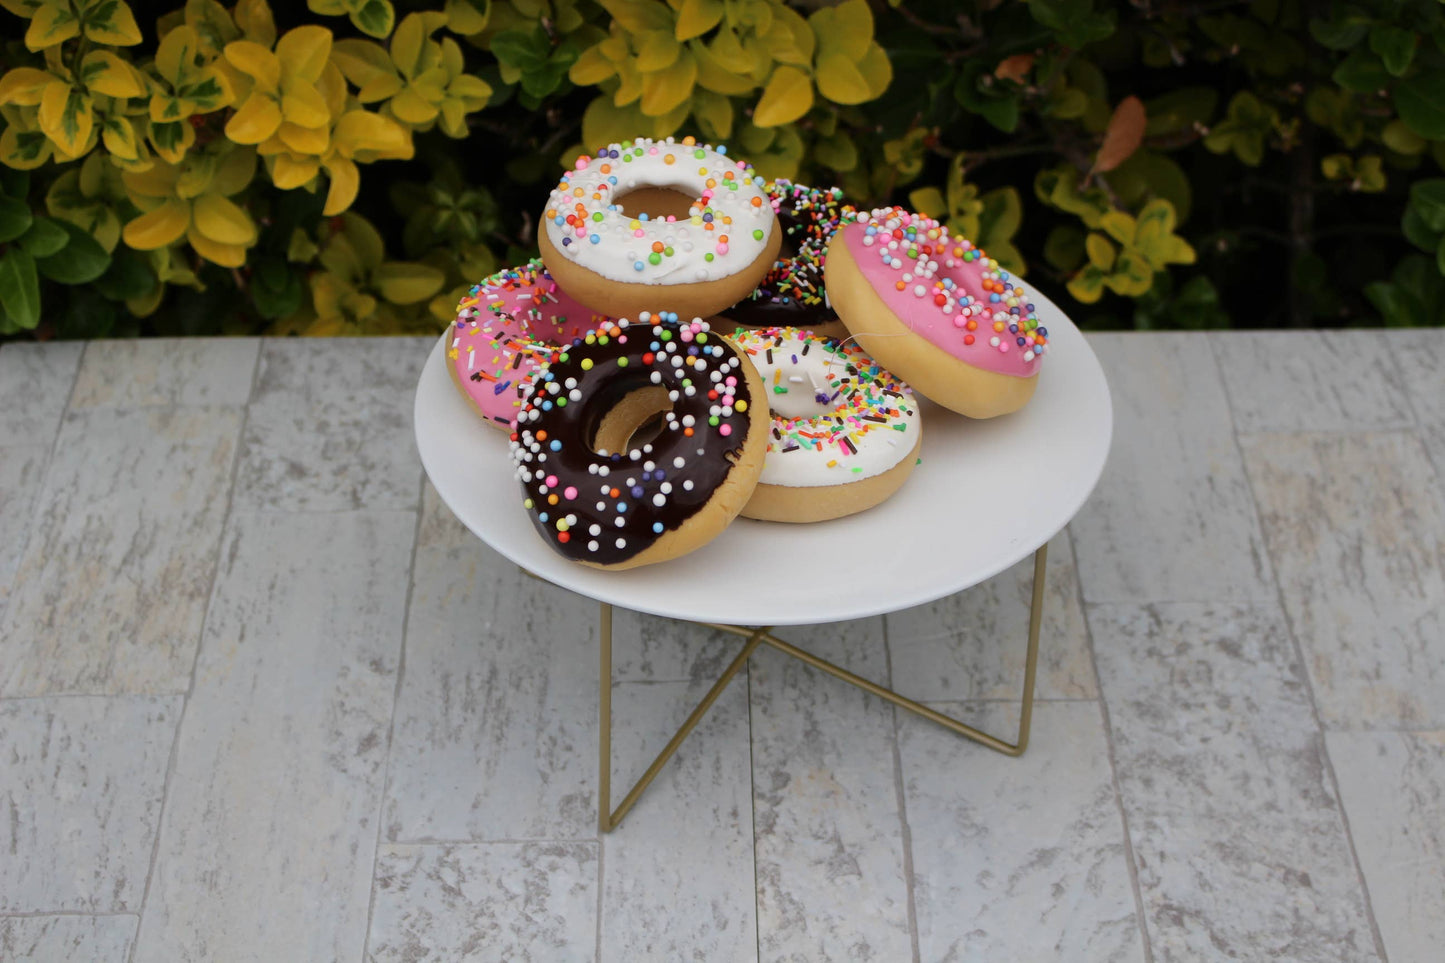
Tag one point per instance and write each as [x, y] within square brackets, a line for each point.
[1427, 199]
[1074, 21]
[1420, 101]
[45, 237]
[1347, 28]
[15, 218]
[1395, 45]
[86, 316]
[128, 276]
[516, 48]
[82, 261]
[1361, 72]
[276, 290]
[1398, 307]
[14, 183]
[19, 287]
[1417, 232]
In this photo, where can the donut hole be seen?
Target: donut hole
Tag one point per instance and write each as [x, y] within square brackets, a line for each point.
[636, 418]
[658, 202]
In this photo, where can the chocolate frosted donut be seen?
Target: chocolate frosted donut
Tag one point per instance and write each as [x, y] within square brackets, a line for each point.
[792, 292]
[598, 498]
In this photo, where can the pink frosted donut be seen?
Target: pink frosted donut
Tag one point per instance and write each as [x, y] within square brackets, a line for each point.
[937, 311]
[505, 327]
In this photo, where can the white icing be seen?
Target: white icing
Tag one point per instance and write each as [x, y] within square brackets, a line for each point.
[794, 459]
[623, 242]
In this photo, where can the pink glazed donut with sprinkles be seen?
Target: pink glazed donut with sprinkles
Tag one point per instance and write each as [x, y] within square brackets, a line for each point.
[936, 311]
[506, 326]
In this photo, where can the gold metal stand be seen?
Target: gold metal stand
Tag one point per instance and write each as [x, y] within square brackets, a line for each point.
[608, 819]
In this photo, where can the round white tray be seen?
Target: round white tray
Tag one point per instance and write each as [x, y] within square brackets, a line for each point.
[987, 494]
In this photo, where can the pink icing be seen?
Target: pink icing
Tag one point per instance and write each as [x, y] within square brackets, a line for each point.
[505, 327]
[948, 291]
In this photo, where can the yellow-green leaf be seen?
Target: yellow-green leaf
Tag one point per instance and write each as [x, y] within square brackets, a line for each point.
[715, 75]
[102, 72]
[304, 140]
[226, 255]
[345, 182]
[928, 200]
[24, 149]
[664, 90]
[53, 22]
[222, 220]
[234, 172]
[120, 138]
[697, 17]
[1120, 226]
[290, 171]
[256, 62]
[25, 85]
[410, 107]
[714, 112]
[465, 19]
[66, 117]
[590, 68]
[164, 225]
[407, 42]
[196, 175]
[175, 57]
[256, 22]
[877, 70]
[1101, 252]
[171, 141]
[1088, 285]
[788, 96]
[840, 80]
[303, 53]
[257, 120]
[656, 49]
[110, 22]
[305, 106]
[403, 282]
[374, 17]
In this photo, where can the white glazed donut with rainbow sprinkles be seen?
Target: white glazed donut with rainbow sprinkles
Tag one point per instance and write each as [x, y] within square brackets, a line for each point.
[613, 256]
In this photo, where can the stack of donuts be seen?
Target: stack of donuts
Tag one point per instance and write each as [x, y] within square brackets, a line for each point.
[696, 343]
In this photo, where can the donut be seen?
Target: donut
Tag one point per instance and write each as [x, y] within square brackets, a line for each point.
[505, 327]
[937, 311]
[792, 294]
[600, 498]
[845, 434]
[709, 237]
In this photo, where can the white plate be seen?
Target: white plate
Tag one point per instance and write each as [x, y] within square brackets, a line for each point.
[987, 494]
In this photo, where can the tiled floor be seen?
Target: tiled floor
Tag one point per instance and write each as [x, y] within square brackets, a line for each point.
[262, 698]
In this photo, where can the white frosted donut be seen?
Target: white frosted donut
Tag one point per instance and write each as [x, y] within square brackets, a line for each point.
[611, 257]
[844, 434]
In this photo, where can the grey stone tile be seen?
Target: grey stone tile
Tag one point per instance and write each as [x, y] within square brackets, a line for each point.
[22, 468]
[972, 645]
[66, 939]
[1238, 838]
[330, 426]
[1433, 437]
[35, 381]
[111, 591]
[1210, 710]
[1393, 786]
[1263, 887]
[1356, 529]
[526, 902]
[268, 838]
[166, 371]
[829, 836]
[646, 648]
[80, 796]
[496, 721]
[1312, 380]
[678, 874]
[1172, 518]
[1018, 859]
[1420, 354]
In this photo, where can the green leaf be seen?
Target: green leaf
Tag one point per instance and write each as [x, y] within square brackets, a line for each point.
[1420, 101]
[1074, 21]
[1101, 253]
[1179, 110]
[14, 183]
[1417, 232]
[1440, 256]
[129, 275]
[516, 48]
[82, 260]
[15, 218]
[19, 287]
[1427, 199]
[1342, 32]
[1398, 307]
[1064, 249]
[45, 237]
[1361, 73]
[1395, 45]
[374, 18]
[276, 290]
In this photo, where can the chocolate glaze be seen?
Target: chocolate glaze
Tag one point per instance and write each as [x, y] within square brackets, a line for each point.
[792, 293]
[707, 454]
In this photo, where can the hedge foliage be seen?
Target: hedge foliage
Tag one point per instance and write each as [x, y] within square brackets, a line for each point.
[349, 166]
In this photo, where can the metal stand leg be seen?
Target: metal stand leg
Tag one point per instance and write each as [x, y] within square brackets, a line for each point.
[608, 819]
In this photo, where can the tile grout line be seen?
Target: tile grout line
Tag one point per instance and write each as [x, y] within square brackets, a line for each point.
[79, 914]
[391, 724]
[906, 831]
[753, 820]
[45, 476]
[1113, 765]
[195, 659]
[1309, 682]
